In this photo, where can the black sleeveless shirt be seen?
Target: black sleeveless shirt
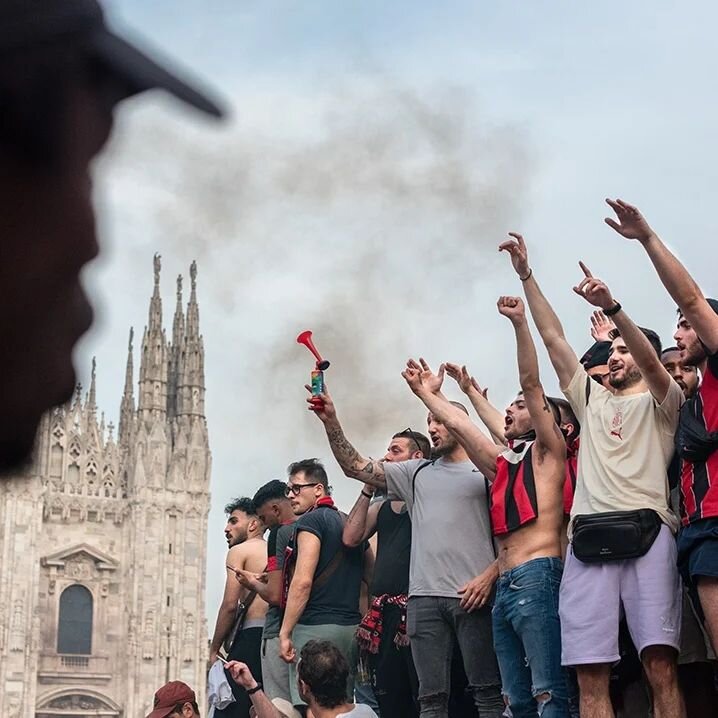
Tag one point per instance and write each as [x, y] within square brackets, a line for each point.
[391, 569]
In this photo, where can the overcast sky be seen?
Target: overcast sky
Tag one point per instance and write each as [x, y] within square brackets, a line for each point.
[376, 155]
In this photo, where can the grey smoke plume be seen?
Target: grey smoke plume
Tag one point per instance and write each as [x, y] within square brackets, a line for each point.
[372, 218]
[372, 229]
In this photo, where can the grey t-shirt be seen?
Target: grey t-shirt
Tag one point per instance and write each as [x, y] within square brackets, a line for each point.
[451, 534]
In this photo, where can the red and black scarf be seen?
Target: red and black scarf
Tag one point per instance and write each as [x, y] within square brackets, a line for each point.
[513, 491]
[372, 625]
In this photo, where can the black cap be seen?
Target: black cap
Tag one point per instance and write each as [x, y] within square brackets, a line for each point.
[597, 355]
[26, 24]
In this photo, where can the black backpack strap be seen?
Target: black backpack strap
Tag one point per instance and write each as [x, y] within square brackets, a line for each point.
[413, 478]
[588, 388]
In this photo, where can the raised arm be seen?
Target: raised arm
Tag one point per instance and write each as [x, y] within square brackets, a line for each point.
[490, 416]
[562, 356]
[352, 463]
[427, 386]
[361, 522]
[596, 292]
[675, 277]
[548, 435]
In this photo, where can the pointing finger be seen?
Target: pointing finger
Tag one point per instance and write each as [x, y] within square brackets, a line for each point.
[585, 269]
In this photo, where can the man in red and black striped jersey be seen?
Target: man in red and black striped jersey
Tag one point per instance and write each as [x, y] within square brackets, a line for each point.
[697, 436]
[527, 520]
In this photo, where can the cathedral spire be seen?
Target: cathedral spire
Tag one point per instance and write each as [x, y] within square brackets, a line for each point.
[127, 406]
[176, 350]
[92, 395]
[190, 390]
[155, 318]
[153, 361]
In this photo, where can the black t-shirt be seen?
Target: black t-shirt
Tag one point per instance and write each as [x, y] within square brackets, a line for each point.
[336, 600]
[391, 570]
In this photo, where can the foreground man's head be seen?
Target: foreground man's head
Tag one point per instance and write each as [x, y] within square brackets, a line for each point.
[62, 72]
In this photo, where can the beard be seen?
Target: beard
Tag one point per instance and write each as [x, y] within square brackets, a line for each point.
[630, 378]
[693, 355]
[445, 448]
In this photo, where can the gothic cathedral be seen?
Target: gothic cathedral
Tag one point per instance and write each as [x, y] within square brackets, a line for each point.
[103, 541]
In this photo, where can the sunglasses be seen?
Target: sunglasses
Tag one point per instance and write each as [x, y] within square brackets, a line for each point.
[409, 433]
[599, 378]
[294, 489]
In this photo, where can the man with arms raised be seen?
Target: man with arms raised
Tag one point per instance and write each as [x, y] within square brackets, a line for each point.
[697, 438]
[452, 573]
[626, 446]
[527, 520]
[242, 639]
[383, 631]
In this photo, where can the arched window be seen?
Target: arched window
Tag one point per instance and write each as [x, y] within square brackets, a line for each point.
[74, 629]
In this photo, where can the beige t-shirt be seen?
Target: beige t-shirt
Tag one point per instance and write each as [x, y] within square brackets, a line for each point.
[626, 446]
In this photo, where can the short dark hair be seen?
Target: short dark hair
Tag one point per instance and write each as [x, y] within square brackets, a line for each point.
[243, 503]
[712, 303]
[652, 337]
[670, 349]
[313, 469]
[568, 415]
[273, 490]
[422, 443]
[554, 408]
[323, 667]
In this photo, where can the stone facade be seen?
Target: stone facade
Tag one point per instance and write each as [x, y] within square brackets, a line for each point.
[125, 518]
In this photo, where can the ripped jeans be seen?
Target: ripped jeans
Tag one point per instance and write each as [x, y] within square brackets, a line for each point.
[433, 624]
[527, 638]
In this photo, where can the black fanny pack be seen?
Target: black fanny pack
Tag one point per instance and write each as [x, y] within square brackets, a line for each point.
[615, 535]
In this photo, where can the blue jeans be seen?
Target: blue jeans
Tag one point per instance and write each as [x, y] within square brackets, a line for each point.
[527, 639]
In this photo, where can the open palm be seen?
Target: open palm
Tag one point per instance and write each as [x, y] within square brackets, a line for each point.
[631, 224]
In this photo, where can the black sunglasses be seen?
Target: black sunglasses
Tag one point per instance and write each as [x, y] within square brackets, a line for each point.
[294, 489]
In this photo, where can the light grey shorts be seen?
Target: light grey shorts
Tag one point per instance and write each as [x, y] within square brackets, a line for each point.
[648, 589]
[275, 671]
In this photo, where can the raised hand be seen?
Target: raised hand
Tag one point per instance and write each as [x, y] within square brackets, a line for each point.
[325, 411]
[601, 327]
[419, 377]
[516, 248]
[466, 382]
[593, 290]
[513, 308]
[631, 223]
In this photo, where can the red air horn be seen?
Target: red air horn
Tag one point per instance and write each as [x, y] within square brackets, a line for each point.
[317, 381]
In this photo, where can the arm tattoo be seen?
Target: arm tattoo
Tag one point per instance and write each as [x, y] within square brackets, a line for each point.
[351, 461]
[345, 454]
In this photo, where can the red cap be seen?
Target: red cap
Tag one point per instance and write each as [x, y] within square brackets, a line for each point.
[169, 696]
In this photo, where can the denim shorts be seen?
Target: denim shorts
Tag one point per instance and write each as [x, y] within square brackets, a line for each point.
[698, 549]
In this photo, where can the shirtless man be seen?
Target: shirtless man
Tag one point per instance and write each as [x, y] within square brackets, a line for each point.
[247, 552]
[527, 520]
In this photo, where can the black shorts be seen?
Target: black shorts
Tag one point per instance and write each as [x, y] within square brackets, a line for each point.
[698, 549]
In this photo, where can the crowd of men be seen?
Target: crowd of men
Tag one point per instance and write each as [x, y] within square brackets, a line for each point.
[564, 536]
[571, 534]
